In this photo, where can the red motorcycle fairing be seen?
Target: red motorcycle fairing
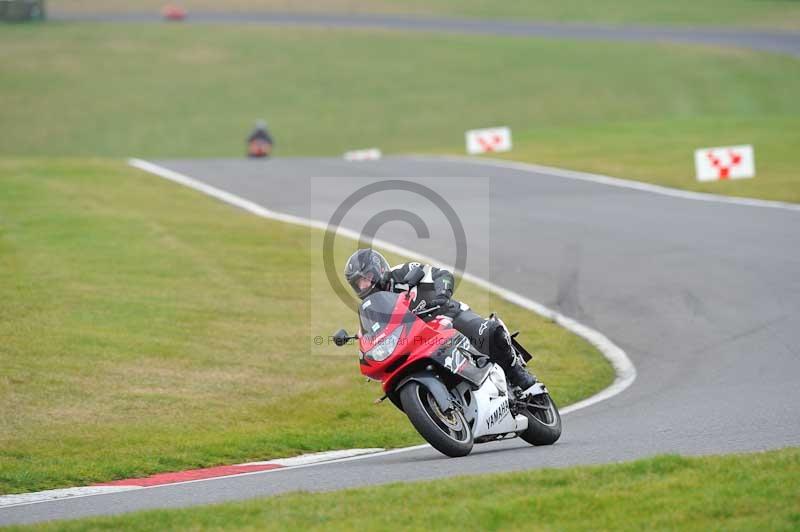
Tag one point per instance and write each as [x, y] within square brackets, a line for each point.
[419, 341]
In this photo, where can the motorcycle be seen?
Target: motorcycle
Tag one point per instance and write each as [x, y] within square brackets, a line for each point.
[452, 393]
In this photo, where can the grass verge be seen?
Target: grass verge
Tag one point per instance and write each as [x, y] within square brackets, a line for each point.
[737, 492]
[766, 14]
[146, 328]
[629, 110]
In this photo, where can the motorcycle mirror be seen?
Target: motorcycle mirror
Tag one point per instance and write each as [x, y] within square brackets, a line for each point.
[341, 338]
[413, 277]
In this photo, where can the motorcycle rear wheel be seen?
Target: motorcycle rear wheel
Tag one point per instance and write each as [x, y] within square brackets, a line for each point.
[448, 432]
[544, 421]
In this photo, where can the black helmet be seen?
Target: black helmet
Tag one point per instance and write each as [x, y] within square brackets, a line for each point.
[365, 270]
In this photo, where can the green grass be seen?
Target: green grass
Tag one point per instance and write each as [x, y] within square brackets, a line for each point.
[738, 492]
[146, 327]
[768, 14]
[629, 110]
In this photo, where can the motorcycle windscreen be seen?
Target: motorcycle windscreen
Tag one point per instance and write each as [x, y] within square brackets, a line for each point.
[381, 309]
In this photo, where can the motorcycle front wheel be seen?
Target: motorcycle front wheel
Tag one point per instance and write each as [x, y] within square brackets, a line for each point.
[544, 420]
[448, 432]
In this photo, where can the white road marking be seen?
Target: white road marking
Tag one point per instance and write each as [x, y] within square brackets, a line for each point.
[612, 181]
[624, 368]
[65, 493]
[316, 458]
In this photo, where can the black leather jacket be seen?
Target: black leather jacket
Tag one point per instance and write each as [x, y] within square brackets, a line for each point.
[437, 282]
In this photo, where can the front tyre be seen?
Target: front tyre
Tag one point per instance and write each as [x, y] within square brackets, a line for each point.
[544, 420]
[449, 433]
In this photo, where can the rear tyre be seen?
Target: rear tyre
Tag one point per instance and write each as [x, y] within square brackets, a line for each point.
[544, 420]
[448, 432]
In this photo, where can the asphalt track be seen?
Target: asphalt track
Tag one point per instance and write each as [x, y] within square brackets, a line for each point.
[704, 297]
[771, 41]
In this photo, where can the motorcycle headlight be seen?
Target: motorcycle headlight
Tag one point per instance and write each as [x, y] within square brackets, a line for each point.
[381, 352]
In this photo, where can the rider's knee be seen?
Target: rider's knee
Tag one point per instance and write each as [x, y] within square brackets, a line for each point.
[489, 334]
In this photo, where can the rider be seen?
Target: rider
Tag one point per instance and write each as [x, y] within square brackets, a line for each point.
[368, 272]
[260, 142]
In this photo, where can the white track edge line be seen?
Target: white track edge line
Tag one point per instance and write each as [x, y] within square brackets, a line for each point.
[59, 494]
[612, 181]
[623, 367]
[314, 458]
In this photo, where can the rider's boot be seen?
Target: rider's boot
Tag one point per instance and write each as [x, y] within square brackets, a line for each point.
[518, 375]
[503, 353]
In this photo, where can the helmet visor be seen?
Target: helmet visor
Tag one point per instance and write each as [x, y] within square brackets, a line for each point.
[363, 283]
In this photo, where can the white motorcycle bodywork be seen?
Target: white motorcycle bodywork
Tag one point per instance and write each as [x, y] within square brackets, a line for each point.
[487, 409]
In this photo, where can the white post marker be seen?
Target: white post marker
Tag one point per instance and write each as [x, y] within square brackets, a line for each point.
[372, 154]
[489, 140]
[726, 162]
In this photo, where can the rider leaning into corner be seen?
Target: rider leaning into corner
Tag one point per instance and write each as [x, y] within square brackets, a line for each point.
[368, 272]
